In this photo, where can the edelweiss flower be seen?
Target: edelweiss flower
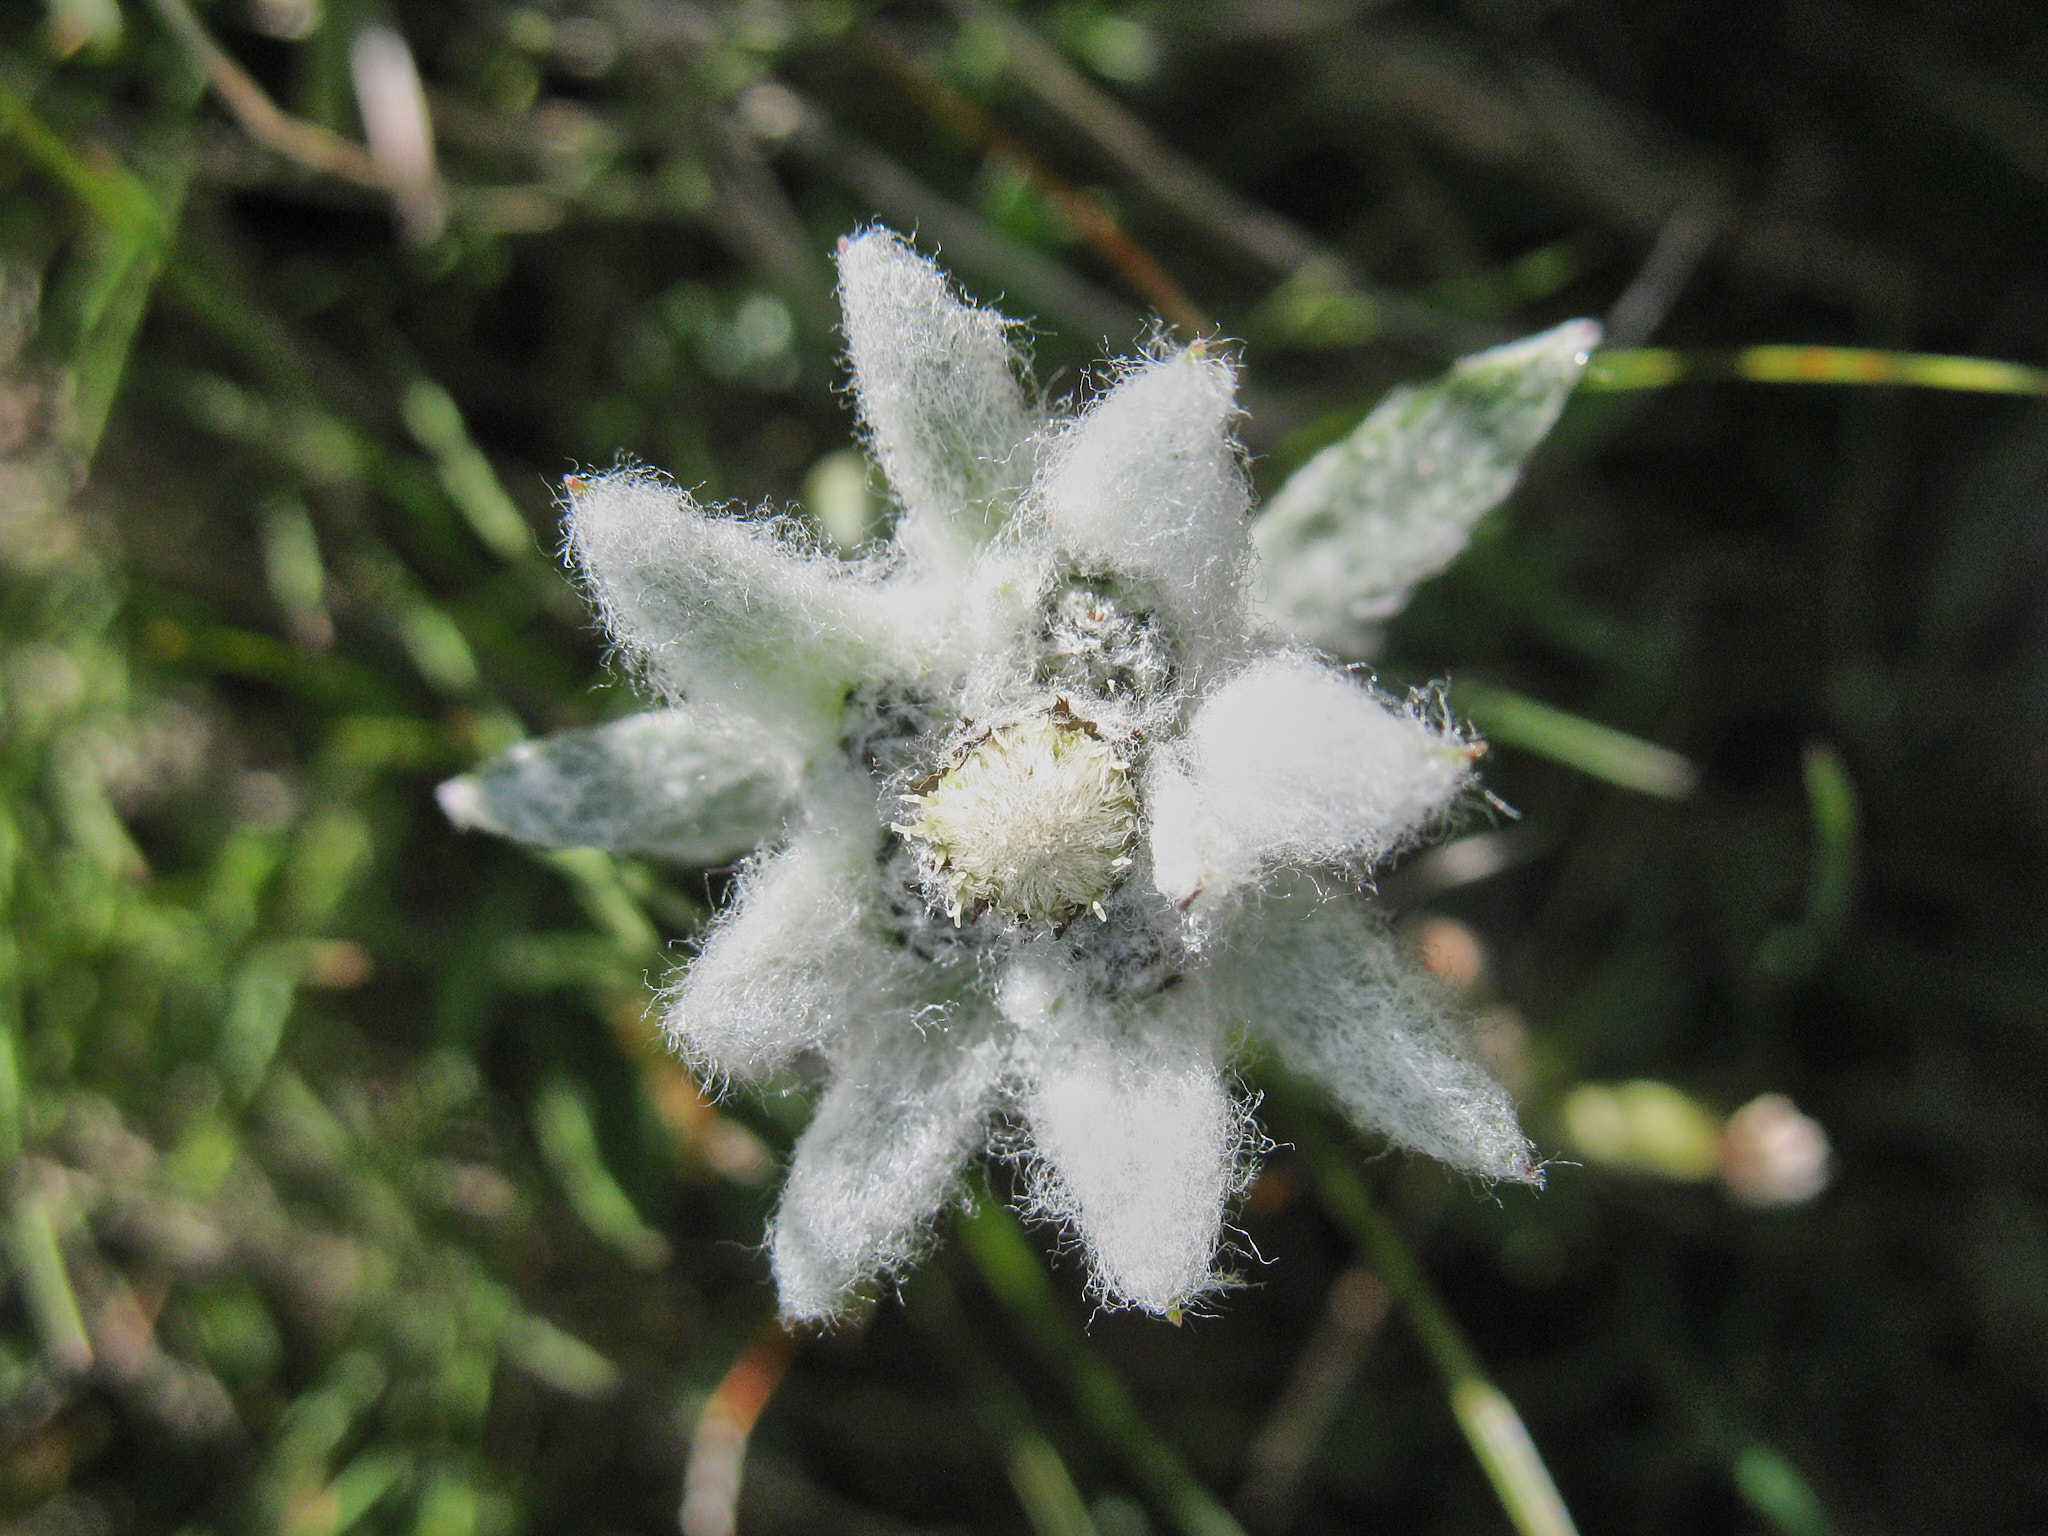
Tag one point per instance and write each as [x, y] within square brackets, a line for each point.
[1051, 806]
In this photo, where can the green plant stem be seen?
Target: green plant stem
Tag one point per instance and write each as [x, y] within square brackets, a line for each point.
[11, 1096]
[1011, 1268]
[38, 1259]
[1831, 795]
[1044, 1487]
[138, 214]
[1489, 1421]
[1795, 951]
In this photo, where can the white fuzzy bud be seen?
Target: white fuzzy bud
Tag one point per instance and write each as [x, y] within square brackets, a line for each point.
[1772, 1155]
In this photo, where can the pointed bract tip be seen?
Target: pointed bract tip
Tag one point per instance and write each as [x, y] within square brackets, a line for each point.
[462, 802]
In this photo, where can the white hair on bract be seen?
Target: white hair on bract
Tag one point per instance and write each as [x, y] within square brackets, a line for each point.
[1137, 1141]
[1292, 763]
[1035, 787]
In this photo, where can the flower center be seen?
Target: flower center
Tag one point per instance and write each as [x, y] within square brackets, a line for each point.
[1035, 819]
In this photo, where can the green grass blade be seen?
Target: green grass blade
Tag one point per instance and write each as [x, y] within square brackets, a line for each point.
[1628, 762]
[1490, 1424]
[1634, 368]
[1012, 1270]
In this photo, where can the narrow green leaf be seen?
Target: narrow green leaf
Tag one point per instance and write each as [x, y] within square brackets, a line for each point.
[260, 1001]
[568, 1140]
[37, 1256]
[1772, 1486]
[1492, 1428]
[436, 423]
[1515, 720]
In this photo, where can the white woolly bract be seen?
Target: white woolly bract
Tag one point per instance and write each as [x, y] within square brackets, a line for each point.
[1135, 1140]
[1147, 484]
[667, 782]
[882, 1155]
[737, 615]
[1352, 531]
[1036, 819]
[1294, 763]
[938, 384]
[793, 960]
[1331, 992]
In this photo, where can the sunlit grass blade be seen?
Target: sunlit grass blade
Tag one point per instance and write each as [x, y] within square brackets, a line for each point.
[1831, 794]
[112, 194]
[36, 1255]
[1773, 1487]
[568, 1140]
[1633, 368]
[436, 423]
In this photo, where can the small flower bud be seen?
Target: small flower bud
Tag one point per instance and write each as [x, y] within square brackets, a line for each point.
[1450, 949]
[1772, 1155]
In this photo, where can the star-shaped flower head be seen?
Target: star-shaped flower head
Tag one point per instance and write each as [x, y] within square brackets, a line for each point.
[1049, 805]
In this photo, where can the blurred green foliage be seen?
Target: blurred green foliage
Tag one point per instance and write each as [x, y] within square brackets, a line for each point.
[347, 1187]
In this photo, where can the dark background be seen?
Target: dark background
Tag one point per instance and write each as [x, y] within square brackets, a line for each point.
[348, 1190]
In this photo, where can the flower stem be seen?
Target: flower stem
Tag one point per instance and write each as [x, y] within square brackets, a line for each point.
[1012, 1270]
[1044, 1487]
[1489, 1421]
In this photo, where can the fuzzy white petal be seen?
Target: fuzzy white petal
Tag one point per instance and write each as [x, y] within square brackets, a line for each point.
[882, 1155]
[666, 782]
[1332, 993]
[732, 613]
[1293, 763]
[1148, 484]
[793, 959]
[1137, 1143]
[1354, 529]
[938, 383]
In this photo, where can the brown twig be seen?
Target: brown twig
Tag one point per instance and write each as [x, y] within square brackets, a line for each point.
[1083, 213]
[1264, 236]
[307, 144]
[967, 238]
[1210, 204]
[718, 1449]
